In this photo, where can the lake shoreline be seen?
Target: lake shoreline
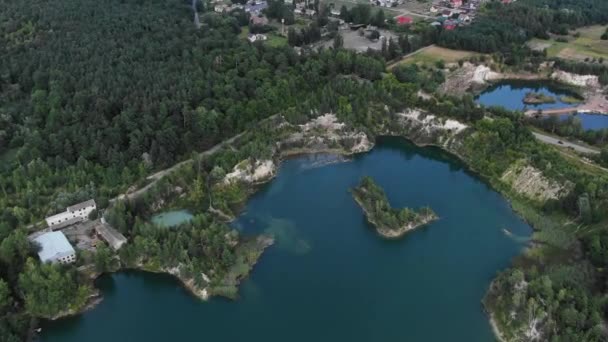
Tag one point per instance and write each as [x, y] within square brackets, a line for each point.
[294, 153]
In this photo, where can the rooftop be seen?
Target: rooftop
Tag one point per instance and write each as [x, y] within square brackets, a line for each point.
[79, 206]
[53, 245]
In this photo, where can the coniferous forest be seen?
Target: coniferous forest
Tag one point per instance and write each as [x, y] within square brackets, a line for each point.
[95, 95]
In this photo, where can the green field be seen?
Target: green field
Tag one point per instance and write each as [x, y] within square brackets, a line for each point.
[433, 54]
[587, 45]
[274, 39]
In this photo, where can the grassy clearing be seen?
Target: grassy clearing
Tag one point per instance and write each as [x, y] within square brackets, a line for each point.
[587, 45]
[274, 39]
[433, 54]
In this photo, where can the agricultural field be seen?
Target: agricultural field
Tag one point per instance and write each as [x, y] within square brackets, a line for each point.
[433, 54]
[582, 43]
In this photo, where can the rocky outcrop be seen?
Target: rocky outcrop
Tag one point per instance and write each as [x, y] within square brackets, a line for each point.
[468, 77]
[428, 129]
[588, 81]
[252, 171]
[530, 182]
[325, 134]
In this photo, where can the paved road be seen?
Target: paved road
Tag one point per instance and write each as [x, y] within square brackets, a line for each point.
[555, 141]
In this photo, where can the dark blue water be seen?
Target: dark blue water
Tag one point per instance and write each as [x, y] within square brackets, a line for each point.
[510, 95]
[589, 121]
[330, 277]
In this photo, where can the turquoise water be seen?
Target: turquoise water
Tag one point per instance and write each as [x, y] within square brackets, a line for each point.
[510, 95]
[172, 218]
[590, 121]
[330, 277]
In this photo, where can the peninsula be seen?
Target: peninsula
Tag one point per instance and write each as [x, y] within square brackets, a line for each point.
[389, 222]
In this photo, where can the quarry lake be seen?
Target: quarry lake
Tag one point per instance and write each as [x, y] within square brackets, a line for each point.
[329, 276]
[510, 95]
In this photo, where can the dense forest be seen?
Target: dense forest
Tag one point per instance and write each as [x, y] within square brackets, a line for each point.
[95, 95]
[83, 115]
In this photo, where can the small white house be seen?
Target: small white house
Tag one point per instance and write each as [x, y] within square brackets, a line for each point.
[257, 37]
[55, 248]
[76, 213]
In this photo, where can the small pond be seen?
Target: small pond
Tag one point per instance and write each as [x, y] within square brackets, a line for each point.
[172, 218]
[510, 95]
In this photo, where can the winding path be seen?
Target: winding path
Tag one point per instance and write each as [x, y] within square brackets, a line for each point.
[154, 178]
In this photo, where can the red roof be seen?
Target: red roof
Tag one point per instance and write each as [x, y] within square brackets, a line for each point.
[450, 27]
[402, 20]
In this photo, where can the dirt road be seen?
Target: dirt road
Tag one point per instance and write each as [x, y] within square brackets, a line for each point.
[154, 178]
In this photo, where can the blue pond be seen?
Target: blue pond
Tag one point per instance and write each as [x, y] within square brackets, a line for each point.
[172, 218]
[510, 95]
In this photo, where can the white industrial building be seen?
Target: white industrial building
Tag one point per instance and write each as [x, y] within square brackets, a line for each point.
[55, 248]
[76, 213]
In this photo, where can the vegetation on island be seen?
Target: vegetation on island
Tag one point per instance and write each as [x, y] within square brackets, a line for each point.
[389, 222]
[538, 98]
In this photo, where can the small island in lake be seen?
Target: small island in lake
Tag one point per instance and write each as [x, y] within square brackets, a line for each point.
[390, 223]
[538, 98]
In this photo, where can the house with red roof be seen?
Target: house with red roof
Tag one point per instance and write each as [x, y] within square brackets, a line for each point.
[456, 3]
[403, 20]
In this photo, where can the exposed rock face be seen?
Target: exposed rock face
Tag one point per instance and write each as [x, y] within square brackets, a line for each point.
[428, 129]
[249, 171]
[529, 181]
[325, 134]
[591, 81]
[467, 77]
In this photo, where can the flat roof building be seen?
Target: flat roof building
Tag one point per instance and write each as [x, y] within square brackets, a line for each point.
[74, 214]
[55, 248]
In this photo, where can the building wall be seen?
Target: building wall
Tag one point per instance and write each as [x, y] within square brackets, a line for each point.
[84, 212]
[63, 259]
[69, 217]
[59, 218]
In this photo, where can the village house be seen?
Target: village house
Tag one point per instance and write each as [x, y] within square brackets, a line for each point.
[455, 3]
[257, 37]
[403, 20]
[258, 20]
[76, 213]
[334, 12]
[450, 25]
[55, 248]
[255, 7]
